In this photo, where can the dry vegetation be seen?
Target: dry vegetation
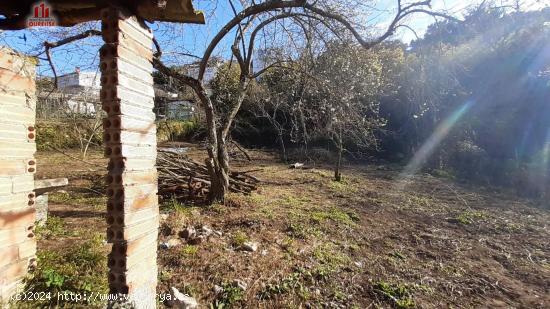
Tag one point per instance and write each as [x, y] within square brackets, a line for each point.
[369, 241]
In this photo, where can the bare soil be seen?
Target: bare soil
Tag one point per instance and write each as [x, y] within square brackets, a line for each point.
[377, 239]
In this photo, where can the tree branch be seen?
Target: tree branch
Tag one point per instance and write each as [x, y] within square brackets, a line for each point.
[49, 45]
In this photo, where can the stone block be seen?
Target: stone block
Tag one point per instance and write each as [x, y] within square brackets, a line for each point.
[41, 206]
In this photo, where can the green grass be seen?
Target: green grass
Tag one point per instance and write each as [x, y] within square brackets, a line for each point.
[399, 294]
[469, 217]
[228, 297]
[189, 250]
[343, 186]
[239, 238]
[97, 201]
[336, 215]
[175, 130]
[81, 268]
[52, 228]
[287, 284]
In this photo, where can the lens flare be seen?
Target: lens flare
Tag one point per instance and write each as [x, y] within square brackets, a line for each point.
[429, 146]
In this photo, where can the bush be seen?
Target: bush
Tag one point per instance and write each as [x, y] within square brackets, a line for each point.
[176, 130]
[65, 135]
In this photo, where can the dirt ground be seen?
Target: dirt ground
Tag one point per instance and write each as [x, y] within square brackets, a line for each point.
[377, 239]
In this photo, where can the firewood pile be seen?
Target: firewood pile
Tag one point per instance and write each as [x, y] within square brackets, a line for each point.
[185, 179]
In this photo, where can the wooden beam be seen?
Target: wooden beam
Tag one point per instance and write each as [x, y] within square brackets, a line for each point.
[70, 13]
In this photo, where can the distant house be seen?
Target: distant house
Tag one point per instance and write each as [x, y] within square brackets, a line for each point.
[77, 92]
[173, 106]
[79, 80]
[180, 110]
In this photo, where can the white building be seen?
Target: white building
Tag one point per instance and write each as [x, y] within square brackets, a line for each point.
[79, 79]
[78, 91]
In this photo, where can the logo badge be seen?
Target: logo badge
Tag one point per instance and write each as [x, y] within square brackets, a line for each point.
[41, 16]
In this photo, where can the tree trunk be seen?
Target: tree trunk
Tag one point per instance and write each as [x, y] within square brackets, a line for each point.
[337, 173]
[282, 146]
[340, 147]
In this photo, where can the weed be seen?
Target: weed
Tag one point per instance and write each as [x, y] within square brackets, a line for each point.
[330, 260]
[300, 230]
[165, 275]
[189, 250]
[239, 238]
[53, 227]
[343, 186]
[79, 269]
[285, 285]
[399, 294]
[398, 255]
[76, 199]
[173, 130]
[330, 255]
[287, 244]
[229, 295]
[442, 173]
[218, 208]
[469, 217]
[336, 215]
[419, 201]
[294, 202]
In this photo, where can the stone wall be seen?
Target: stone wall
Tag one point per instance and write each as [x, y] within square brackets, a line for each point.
[17, 168]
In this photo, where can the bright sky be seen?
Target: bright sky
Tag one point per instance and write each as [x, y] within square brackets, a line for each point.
[194, 38]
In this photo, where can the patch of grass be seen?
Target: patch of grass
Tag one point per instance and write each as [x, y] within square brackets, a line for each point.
[398, 255]
[300, 224]
[252, 200]
[175, 130]
[399, 294]
[290, 201]
[229, 296]
[343, 186]
[189, 250]
[442, 173]
[469, 217]
[301, 230]
[82, 268]
[239, 238]
[53, 227]
[165, 275]
[218, 208]
[75, 198]
[290, 283]
[417, 201]
[336, 215]
[330, 260]
[287, 244]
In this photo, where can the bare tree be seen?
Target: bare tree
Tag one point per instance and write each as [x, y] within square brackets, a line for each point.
[247, 25]
[254, 19]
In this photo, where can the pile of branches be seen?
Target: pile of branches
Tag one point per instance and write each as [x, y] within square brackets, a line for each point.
[185, 179]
